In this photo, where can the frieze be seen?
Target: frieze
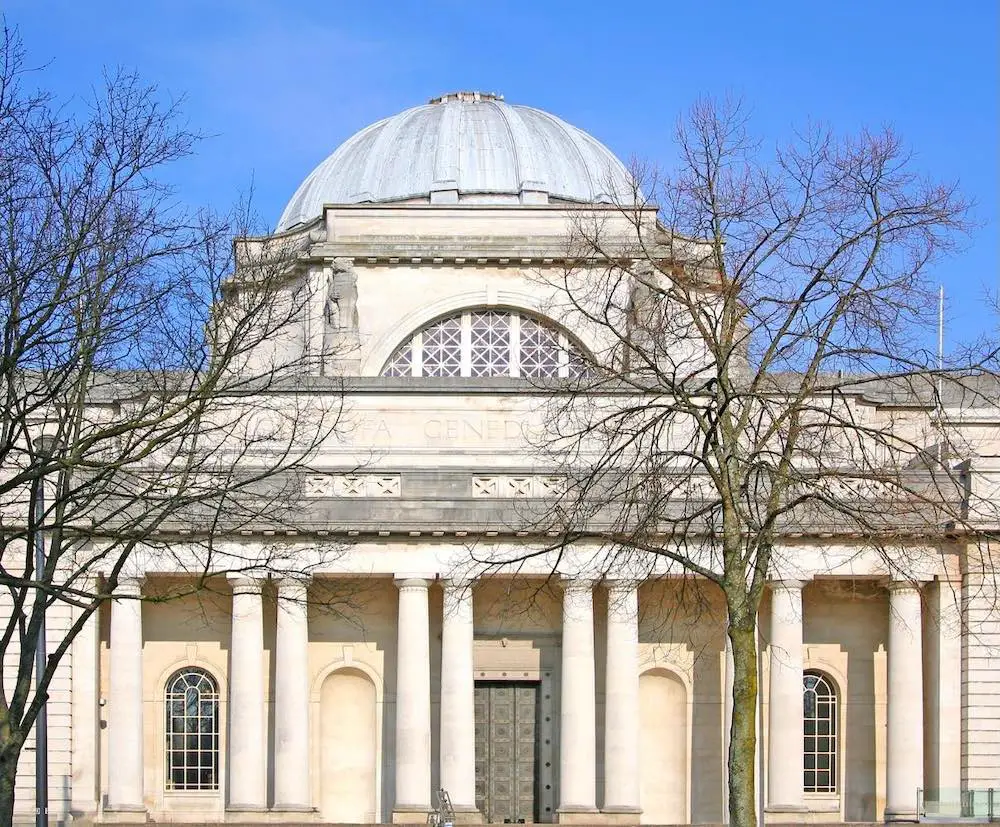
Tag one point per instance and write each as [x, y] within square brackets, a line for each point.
[378, 486]
[521, 486]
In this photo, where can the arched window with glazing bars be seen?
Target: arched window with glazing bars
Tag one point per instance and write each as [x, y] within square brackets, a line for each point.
[192, 730]
[487, 342]
[821, 740]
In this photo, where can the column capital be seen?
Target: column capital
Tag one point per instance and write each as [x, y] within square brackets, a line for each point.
[129, 586]
[620, 584]
[245, 583]
[571, 583]
[903, 586]
[787, 584]
[292, 588]
[412, 581]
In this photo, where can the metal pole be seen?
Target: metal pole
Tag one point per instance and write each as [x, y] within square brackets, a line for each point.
[41, 723]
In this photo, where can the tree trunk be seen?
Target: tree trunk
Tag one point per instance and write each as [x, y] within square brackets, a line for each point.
[8, 773]
[743, 733]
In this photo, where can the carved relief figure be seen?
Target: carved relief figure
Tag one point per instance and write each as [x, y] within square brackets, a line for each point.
[341, 307]
[340, 310]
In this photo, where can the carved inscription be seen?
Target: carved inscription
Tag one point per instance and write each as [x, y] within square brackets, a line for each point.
[444, 431]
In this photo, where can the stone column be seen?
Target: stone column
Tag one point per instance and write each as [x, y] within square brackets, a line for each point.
[785, 729]
[943, 687]
[85, 716]
[621, 711]
[291, 698]
[577, 717]
[413, 703]
[905, 704]
[458, 720]
[247, 755]
[125, 787]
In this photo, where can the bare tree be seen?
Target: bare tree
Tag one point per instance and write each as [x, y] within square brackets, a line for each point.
[151, 399]
[732, 331]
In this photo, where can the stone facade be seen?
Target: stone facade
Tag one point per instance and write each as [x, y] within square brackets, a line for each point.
[352, 695]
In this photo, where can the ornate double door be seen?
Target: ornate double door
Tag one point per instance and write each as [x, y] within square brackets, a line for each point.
[507, 751]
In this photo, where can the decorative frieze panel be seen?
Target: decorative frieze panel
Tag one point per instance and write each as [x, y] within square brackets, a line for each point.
[522, 486]
[352, 485]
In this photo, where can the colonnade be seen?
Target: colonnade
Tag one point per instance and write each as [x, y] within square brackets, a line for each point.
[578, 794]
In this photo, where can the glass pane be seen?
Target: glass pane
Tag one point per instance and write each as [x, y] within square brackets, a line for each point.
[490, 342]
[539, 350]
[400, 363]
[443, 348]
[809, 705]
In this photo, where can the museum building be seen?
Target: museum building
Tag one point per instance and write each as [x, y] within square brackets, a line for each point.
[547, 697]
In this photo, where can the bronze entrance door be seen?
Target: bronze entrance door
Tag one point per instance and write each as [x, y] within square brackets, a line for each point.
[506, 751]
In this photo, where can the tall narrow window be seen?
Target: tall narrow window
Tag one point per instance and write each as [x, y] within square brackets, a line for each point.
[487, 343]
[819, 713]
[192, 705]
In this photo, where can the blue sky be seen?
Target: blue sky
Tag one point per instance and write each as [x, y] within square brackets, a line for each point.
[276, 86]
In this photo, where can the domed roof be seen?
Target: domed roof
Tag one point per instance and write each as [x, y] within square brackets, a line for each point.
[466, 147]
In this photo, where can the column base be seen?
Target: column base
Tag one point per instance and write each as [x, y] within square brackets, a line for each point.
[410, 814]
[124, 814]
[468, 815]
[247, 812]
[792, 814]
[577, 815]
[898, 816]
[620, 814]
[304, 811]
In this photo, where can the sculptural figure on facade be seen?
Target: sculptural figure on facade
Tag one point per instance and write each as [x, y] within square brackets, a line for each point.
[340, 309]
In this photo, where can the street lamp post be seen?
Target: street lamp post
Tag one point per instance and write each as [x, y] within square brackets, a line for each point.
[41, 723]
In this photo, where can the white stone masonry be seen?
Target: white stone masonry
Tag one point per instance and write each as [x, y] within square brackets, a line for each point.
[621, 716]
[247, 756]
[785, 730]
[291, 698]
[413, 699]
[458, 723]
[905, 704]
[578, 742]
[125, 787]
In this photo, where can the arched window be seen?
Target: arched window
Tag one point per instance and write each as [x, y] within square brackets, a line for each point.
[486, 343]
[820, 744]
[192, 703]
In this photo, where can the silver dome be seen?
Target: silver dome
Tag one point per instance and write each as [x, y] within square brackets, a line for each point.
[463, 148]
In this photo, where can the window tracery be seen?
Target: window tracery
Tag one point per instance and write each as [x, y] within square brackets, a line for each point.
[192, 730]
[487, 343]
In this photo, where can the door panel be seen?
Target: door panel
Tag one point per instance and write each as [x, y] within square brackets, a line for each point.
[506, 750]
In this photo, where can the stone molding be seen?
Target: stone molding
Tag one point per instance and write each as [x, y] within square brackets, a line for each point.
[246, 583]
[787, 584]
[129, 586]
[412, 581]
[517, 486]
[352, 485]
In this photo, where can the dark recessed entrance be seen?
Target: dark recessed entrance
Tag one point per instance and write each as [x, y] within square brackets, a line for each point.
[507, 751]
